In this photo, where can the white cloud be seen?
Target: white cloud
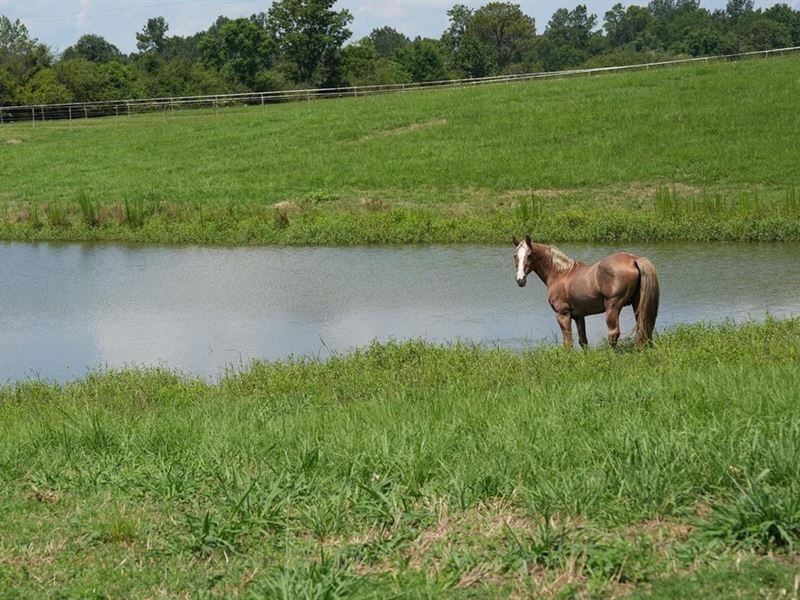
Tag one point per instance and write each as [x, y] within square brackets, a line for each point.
[83, 13]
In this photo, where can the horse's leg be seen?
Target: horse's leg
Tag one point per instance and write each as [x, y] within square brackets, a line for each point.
[565, 322]
[612, 321]
[581, 323]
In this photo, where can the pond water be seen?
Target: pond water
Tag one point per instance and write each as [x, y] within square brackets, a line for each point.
[69, 308]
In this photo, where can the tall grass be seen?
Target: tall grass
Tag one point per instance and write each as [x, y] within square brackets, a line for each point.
[88, 210]
[409, 468]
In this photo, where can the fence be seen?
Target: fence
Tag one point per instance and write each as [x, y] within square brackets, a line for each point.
[125, 108]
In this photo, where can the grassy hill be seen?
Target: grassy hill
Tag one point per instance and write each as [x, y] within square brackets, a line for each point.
[716, 138]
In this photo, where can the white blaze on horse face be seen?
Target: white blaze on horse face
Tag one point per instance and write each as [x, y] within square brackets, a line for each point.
[522, 253]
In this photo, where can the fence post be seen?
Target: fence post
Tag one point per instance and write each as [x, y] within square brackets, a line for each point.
[33, 117]
[128, 105]
[215, 105]
[70, 116]
[262, 100]
[116, 110]
[1, 117]
[42, 107]
[85, 111]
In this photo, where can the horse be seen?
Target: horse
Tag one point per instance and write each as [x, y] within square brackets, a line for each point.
[576, 289]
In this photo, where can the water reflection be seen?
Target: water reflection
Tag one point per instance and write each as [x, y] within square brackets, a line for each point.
[66, 308]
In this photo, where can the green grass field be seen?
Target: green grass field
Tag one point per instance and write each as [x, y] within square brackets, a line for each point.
[691, 152]
[407, 470]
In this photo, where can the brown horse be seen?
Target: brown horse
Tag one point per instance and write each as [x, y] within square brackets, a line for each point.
[576, 290]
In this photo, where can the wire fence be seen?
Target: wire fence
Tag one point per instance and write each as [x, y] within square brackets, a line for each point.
[71, 111]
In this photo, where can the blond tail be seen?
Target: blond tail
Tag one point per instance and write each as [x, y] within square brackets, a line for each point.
[647, 305]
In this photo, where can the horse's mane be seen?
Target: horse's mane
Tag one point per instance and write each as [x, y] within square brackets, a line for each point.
[559, 260]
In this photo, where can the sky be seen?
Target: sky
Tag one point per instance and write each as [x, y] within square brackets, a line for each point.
[59, 23]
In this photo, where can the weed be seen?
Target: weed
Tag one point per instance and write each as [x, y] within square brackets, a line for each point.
[56, 214]
[88, 210]
[34, 220]
[763, 515]
[134, 212]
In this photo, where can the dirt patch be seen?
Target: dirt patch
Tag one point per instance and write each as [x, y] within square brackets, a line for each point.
[404, 129]
[43, 496]
[13, 141]
[33, 556]
[372, 204]
[638, 189]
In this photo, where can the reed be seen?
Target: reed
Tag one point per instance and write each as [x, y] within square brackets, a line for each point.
[134, 212]
[88, 210]
[56, 214]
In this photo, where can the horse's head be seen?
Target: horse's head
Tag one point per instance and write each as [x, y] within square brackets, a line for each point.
[523, 259]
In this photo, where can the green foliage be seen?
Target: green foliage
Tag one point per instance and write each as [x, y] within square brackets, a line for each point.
[309, 35]
[504, 32]
[89, 81]
[239, 49]
[300, 43]
[387, 41]
[153, 37]
[94, 48]
[44, 88]
[359, 62]
[423, 60]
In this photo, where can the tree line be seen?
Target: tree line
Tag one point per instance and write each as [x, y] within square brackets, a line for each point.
[304, 43]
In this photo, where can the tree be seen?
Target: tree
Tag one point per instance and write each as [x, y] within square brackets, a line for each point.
[783, 13]
[153, 36]
[738, 8]
[623, 26]
[94, 48]
[239, 49]
[8, 89]
[43, 88]
[505, 31]
[21, 56]
[387, 41]
[88, 81]
[569, 39]
[760, 33]
[359, 62]
[309, 35]
[466, 57]
[422, 59]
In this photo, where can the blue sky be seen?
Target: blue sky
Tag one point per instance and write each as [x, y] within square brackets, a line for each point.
[59, 23]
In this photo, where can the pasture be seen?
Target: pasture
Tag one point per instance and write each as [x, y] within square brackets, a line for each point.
[412, 470]
[703, 152]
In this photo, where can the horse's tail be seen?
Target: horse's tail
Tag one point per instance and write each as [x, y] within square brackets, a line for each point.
[647, 303]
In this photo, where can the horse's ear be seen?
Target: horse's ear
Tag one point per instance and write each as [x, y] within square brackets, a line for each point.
[515, 240]
[528, 240]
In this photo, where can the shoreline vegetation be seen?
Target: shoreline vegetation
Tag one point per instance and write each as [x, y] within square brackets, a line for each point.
[659, 214]
[693, 153]
[416, 470]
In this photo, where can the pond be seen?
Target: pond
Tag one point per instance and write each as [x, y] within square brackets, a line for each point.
[69, 308]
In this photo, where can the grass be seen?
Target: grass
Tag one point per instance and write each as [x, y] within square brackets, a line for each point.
[412, 470]
[595, 155]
